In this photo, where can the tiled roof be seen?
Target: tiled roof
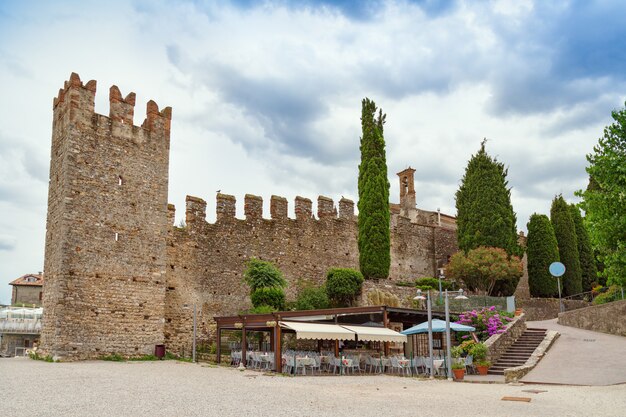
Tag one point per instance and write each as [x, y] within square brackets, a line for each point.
[28, 280]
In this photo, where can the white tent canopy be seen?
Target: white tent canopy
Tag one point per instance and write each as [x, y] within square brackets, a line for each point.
[343, 332]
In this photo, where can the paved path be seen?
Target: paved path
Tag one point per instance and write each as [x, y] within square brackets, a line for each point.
[168, 388]
[580, 357]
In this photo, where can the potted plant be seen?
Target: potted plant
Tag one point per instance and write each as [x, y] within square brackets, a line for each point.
[479, 353]
[458, 364]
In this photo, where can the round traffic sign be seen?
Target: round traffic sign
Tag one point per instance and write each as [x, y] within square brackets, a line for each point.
[557, 269]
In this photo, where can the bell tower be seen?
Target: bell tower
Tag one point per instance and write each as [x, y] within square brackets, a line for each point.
[407, 190]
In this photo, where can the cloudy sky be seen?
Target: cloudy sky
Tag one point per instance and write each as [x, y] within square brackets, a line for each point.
[266, 94]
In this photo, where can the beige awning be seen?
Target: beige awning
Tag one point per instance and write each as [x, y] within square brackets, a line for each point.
[318, 331]
[376, 334]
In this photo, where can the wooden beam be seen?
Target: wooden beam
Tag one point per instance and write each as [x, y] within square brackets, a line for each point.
[278, 357]
[243, 346]
[219, 345]
[386, 324]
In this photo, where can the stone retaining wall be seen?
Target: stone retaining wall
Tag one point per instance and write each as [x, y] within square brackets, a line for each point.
[601, 318]
[547, 308]
[499, 343]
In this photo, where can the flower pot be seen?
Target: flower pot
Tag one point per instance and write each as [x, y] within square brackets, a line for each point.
[482, 370]
[518, 311]
[459, 374]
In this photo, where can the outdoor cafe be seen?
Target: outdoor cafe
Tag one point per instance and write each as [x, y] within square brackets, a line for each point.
[332, 341]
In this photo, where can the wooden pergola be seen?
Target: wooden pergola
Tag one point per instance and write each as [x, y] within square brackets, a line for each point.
[350, 315]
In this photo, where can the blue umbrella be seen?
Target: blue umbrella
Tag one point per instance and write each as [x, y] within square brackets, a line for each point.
[439, 326]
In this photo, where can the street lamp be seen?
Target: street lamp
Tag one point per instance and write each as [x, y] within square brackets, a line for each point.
[440, 276]
[419, 296]
[459, 296]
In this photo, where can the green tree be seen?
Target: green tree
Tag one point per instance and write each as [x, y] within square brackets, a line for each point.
[484, 267]
[565, 233]
[485, 216]
[542, 249]
[373, 222]
[312, 298]
[588, 268]
[263, 274]
[343, 285]
[266, 286]
[604, 202]
[272, 296]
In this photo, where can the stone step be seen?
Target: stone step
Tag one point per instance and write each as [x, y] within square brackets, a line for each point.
[511, 364]
[490, 372]
[513, 358]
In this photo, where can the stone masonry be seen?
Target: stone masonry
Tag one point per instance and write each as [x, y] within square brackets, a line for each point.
[121, 278]
[107, 226]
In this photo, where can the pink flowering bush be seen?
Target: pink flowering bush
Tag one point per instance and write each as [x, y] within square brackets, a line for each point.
[487, 321]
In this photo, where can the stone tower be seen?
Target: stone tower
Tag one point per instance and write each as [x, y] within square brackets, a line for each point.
[407, 190]
[106, 228]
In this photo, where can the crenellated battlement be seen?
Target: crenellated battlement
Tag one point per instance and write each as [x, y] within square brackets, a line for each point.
[226, 210]
[75, 103]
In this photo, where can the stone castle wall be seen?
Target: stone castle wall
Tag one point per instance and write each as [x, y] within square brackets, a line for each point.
[106, 228]
[206, 260]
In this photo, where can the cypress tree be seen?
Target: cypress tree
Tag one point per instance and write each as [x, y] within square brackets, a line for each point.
[373, 221]
[542, 249]
[585, 253]
[485, 216]
[565, 233]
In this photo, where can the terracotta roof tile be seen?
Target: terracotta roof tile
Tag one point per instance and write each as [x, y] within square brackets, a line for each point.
[26, 280]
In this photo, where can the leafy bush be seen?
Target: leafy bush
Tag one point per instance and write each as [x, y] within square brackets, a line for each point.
[433, 283]
[263, 274]
[482, 268]
[487, 321]
[613, 293]
[34, 355]
[273, 297]
[478, 352]
[262, 309]
[114, 357]
[312, 298]
[343, 285]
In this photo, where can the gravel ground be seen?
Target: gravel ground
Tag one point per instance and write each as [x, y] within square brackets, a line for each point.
[170, 388]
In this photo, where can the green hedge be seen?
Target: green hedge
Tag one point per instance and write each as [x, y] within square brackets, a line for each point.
[343, 285]
[273, 297]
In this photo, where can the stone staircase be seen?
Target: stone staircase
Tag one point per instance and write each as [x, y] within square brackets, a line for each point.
[518, 353]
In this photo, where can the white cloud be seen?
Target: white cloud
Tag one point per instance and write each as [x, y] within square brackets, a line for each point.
[266, 99]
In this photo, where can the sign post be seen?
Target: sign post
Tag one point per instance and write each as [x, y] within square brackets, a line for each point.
[557, 269]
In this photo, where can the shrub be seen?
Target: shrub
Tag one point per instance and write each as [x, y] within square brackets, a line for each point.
[613, 293]
[487, 321]
[478, 352]
[433, 283]
[262, 309]
[343, 285]
[482, 268]
[263, 274]
[273, 297]
[312, 298]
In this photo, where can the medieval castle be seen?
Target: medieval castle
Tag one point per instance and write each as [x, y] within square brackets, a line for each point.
[120, 277]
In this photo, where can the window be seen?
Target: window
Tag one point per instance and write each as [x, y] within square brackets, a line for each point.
[117, 236]
[120, 180]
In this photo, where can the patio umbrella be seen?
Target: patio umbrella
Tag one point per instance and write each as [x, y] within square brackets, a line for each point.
[439, 326]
